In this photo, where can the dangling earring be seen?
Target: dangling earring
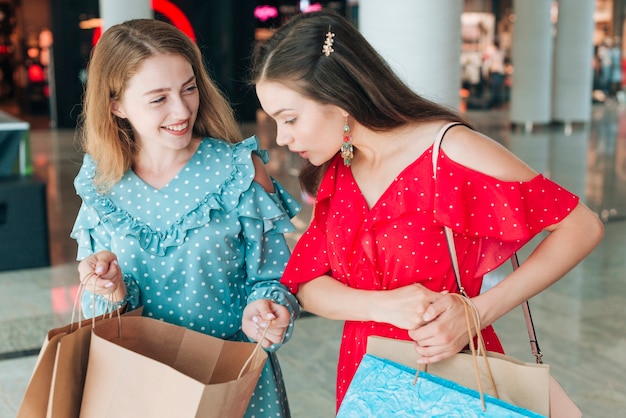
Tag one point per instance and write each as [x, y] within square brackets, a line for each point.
[347, 152]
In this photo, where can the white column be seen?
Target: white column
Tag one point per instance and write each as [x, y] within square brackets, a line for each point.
[531, 147]
[113, 12]
[569, 169]
[573, 75]
[531, 91]
[421, 41]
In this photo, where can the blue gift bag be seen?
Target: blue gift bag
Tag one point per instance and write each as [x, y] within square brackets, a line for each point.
[383, 388]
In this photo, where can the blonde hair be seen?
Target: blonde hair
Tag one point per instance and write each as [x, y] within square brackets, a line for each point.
[117, 56]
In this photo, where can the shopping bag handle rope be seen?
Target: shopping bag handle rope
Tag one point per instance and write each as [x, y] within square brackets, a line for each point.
[77, 307]
[472, 321]
[257, 347]
[534, 344]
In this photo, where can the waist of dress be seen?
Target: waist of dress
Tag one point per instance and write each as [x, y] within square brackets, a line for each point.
[363, 329]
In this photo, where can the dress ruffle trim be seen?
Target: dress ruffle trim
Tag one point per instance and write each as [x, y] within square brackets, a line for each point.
[474, 204]
[238, 192]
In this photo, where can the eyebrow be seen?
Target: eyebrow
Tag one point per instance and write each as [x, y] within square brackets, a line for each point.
[161, 90]
[278, 112]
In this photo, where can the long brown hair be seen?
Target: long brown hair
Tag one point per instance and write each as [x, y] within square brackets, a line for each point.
[353, 77]
[117, 56]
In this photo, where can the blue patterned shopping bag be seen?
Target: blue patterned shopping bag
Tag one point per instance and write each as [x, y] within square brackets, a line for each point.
[383, 388]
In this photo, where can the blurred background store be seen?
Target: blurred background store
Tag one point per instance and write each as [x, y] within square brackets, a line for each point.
[45, 45]
[44, 49]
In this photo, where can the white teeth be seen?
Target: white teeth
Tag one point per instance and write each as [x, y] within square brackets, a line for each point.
[177, 128]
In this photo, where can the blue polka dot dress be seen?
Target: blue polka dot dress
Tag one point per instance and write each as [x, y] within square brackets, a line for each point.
[197, 251]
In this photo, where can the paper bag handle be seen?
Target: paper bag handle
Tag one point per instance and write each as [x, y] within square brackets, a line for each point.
[472, 319]
[534, 344]
[257, 347]
[77, 307]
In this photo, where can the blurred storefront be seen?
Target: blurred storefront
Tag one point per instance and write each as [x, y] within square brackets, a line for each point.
[45, 46]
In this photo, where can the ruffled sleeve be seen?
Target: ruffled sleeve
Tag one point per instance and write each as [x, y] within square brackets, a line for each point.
[497, 216]
[265, 218]
[309, 259]
[89, 238]
[93, 236]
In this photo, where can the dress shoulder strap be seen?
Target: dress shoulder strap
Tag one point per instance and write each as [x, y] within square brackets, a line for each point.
[437, 143]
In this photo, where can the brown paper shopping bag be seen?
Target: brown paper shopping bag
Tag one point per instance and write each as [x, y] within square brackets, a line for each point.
[70, 367]
[39, 391]
[35, 401]
[156, 369]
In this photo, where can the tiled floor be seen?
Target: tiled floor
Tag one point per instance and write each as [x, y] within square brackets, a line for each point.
[580, 320]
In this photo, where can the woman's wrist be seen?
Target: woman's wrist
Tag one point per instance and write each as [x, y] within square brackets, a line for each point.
[119, 295]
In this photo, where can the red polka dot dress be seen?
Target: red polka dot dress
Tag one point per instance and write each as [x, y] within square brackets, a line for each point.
[401, 240]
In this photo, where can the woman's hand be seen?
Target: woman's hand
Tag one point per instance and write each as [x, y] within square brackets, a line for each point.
[100, 274]
[405, 307]
[264, 314]
[444, 332]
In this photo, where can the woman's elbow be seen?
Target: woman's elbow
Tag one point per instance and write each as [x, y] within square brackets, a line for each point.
[590, 226]
[596, 232]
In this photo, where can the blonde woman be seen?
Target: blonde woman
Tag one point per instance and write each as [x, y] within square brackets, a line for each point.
[178, 213]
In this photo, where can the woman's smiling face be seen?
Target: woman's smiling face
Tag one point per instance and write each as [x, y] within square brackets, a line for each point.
[161, 102]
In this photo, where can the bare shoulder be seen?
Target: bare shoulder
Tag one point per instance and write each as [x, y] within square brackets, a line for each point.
[481, 153]
[261, 175]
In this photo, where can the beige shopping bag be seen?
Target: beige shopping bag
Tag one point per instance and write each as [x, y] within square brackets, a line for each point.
[41, 388]
[70, 368]
[155, 369]
[528, 385]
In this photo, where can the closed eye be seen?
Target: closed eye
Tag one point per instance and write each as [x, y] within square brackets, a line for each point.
[190, 89]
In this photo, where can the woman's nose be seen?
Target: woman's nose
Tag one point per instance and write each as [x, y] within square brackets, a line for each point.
[282, 137]
[180, 109]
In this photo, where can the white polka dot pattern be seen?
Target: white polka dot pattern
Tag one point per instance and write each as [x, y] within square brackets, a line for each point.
[400, 240]
[197, 251]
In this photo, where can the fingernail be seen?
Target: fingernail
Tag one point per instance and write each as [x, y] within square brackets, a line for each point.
[270, 316]
[255, 319]
[99, 270]
[109, 284]
[426, 317]
[116, 262]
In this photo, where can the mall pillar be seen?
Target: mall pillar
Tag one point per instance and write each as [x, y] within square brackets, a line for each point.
[531, 91]
[421, 41]
[573, 73]
[117, 11]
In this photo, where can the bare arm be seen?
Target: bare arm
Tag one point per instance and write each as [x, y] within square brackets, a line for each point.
[261, 175]
[403, 307]
[567, 243]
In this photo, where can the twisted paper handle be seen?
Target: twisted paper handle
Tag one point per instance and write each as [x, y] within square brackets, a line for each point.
[472, 318]
[77, 308]
[257, 347]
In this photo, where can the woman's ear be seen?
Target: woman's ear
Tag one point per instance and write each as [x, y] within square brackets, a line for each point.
[117, 111]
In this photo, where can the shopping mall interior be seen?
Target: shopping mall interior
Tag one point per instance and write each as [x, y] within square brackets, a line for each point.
[577, 320]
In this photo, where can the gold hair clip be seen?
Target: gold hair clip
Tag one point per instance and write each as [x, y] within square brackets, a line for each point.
[327, 49]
